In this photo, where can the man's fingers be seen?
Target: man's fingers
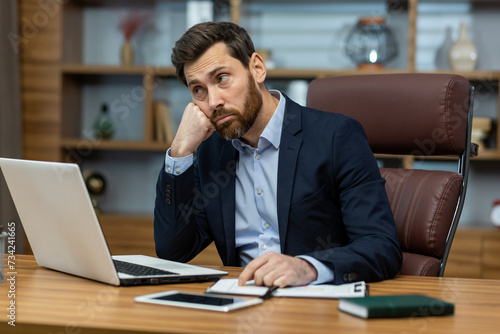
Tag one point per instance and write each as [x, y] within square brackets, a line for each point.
[194, 128]
[246, 275]
[278, 269]
[249, 272]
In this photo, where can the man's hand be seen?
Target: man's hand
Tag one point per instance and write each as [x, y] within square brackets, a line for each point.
[278, 269]
[194, 128]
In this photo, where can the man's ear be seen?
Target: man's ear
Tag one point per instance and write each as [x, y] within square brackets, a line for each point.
[258, 68]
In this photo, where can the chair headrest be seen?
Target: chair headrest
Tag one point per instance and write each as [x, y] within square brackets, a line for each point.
[407, 113]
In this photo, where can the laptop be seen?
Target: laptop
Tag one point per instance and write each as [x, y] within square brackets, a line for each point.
[65, 235]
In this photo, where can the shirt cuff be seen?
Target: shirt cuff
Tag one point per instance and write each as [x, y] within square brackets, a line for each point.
[325, 275]
[177, 166]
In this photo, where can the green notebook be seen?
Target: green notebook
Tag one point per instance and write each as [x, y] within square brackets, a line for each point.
[394, 306]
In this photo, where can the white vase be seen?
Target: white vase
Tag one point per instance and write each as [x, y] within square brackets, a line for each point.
[463, 53]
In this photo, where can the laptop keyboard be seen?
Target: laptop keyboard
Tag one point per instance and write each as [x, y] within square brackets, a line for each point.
[139, 270]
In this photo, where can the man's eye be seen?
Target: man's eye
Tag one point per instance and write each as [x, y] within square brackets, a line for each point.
[222, 77]
[197, 91]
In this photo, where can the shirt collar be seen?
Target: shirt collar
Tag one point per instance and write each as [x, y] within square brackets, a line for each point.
[272, 132]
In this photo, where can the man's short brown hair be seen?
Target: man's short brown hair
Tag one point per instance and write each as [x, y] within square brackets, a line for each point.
[200, 37]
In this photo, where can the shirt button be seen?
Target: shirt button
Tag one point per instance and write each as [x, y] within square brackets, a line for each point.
[169, 169]
[177, 170]
[266, 225]
[264, 247]
[259, 191]
[257, 156]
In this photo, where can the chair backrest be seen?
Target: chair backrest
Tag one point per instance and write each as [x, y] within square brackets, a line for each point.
[418, 115]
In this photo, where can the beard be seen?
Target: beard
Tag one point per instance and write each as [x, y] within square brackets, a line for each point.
[242, 121]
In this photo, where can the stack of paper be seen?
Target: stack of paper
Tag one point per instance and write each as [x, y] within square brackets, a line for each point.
[230, 286]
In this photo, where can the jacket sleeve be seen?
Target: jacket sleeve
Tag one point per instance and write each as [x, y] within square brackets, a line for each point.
[372, 252]
[180, 229]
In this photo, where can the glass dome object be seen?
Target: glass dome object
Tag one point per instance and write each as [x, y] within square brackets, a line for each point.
[371, 43]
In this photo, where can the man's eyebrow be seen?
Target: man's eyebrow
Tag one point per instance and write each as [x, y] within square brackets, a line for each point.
[210, 74]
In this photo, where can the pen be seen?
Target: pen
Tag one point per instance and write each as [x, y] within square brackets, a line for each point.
[269, 292]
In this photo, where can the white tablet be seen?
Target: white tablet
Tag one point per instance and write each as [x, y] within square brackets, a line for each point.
[198, 300]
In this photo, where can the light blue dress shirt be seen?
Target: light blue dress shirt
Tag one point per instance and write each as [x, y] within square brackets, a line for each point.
[256, 215]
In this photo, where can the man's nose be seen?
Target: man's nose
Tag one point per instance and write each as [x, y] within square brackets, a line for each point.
[215, 101]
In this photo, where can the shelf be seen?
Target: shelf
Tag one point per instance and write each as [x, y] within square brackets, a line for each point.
[116, 70]
[281, 73]
[78, 143]
[276, 73]
[487, 154]
[86, 144]
[484, 154]
[101, 69]
[472, 75]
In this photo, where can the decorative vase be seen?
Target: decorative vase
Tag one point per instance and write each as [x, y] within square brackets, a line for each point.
[495, 213]
[370, 43]
[441, 59]
[127, 53]
[104, 127]
[463, 53]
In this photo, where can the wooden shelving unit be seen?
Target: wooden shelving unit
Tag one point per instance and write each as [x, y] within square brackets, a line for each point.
[53, 75]
[75, 143]
[475, 254]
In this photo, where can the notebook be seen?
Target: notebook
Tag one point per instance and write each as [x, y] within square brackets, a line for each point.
[65, 235]
[396, 306]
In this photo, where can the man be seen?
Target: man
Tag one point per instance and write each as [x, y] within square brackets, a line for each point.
[292, 194]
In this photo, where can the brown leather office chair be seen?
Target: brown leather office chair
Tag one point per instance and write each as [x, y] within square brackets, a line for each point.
[418, 115]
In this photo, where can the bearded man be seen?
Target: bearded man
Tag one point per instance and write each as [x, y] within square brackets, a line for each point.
[292, 194]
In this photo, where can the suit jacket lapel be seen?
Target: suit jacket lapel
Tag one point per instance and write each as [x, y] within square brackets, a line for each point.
[227, 163]
[287, 163]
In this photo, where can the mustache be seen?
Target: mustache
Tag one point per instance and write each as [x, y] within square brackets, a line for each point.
[220, 112]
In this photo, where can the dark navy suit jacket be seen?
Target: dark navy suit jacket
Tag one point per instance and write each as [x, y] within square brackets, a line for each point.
[332, 203]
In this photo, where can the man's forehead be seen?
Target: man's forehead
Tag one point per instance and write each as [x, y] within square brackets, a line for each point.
[217, 57]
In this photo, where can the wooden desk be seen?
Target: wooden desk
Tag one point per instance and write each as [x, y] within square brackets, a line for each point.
[52, 302]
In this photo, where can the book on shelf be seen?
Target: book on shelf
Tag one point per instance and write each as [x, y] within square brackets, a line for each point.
[164, 131]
